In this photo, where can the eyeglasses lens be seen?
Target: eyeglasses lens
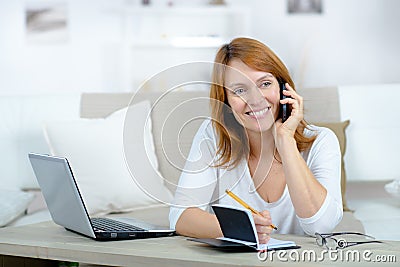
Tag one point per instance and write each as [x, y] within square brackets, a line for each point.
[330, 243]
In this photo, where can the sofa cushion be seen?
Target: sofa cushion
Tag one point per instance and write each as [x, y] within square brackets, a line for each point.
[95, 150]
[349, 223]
[13, 203]
[393, 188]
[339, 129]
[176, 118]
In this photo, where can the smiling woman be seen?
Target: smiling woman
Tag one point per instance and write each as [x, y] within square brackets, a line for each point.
[289, 171]
[251, 102]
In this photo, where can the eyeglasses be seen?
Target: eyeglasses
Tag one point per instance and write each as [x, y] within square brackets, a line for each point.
[330, 242]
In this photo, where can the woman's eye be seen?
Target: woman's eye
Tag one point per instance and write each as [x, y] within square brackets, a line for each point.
[238, 91]
[265, 84]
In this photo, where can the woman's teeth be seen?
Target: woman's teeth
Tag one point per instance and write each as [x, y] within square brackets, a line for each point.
[258, 113]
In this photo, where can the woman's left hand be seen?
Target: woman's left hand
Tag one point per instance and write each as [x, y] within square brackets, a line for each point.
[295, 101]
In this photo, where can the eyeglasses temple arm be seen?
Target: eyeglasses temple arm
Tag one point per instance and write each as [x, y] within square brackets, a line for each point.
[349, 244]
[346, 233]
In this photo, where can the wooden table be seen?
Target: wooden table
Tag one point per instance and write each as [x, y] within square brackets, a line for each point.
[39, 244]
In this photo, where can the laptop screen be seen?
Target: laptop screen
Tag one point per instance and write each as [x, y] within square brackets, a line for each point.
[61, 193]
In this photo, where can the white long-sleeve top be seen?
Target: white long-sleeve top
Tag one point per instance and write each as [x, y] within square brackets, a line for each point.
[202, 185]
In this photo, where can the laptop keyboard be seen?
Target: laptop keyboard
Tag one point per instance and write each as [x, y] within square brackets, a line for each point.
[109, 225]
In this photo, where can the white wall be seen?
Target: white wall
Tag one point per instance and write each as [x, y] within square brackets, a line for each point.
[88, 61]
[352, 42]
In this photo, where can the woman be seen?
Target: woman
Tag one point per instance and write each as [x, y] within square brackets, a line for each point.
[288, 171]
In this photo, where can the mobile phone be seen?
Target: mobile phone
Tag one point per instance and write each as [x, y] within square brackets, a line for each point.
[284, 110]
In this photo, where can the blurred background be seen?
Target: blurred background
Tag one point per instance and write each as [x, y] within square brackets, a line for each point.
[52, 51]
[100, 45]
[62, 48]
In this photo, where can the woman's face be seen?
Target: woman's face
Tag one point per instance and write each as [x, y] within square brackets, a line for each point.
[253, 96]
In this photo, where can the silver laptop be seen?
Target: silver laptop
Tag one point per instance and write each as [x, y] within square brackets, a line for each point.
[67, 208]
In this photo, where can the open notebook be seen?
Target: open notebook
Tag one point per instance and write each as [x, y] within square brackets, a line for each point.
[239, 230]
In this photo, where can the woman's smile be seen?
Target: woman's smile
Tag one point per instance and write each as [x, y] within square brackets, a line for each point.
[259, 113]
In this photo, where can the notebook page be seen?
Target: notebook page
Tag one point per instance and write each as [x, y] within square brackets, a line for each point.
[272, 243]
[275, 243]
[250, 244]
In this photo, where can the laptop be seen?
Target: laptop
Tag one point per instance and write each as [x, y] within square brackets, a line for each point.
[67, 208]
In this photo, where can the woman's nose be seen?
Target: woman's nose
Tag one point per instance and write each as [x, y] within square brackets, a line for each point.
[255, 98]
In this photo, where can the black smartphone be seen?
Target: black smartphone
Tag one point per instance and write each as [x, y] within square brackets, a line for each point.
[284, 110]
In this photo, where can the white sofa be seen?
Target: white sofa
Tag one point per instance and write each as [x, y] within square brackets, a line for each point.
[168, 113]
[322, 105]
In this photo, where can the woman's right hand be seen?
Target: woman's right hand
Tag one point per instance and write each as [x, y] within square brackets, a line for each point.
[263, 226]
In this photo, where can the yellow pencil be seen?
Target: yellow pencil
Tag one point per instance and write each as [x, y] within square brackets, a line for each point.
[244, 204]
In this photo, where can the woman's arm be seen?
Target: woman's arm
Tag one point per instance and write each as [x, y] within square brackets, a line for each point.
[305, 190]
[198, 223]
[315, 191]
[324, 167]
[196, 188]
